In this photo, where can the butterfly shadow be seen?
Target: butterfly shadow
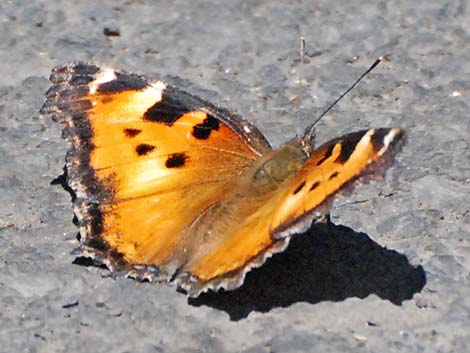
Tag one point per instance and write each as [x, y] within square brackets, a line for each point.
[328, 263]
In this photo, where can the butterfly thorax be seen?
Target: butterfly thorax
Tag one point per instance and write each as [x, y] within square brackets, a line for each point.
[274, 168]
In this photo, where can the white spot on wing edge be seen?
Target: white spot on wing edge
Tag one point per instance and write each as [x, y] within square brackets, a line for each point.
[149, 96]
[159, 85]
[388, 139]
[364, 141]
[103, 76]
[108, 74]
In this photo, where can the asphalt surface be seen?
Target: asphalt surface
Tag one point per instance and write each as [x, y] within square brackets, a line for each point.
[390, 274]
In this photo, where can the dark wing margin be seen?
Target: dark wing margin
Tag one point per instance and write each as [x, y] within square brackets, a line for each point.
[67, 103]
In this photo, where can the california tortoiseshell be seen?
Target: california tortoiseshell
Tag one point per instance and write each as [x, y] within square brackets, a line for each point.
[169, 187]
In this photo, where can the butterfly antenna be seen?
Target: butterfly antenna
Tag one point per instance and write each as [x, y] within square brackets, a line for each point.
[300, 96]
[310, 131]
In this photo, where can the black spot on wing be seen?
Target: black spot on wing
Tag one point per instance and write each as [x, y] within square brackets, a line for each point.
[132, 132]
[174, 104]
[203, 131]
[144, 148]
[123, 82]
[334, 175]
[314, 186]
[327, 155]
[176, 160]
[348, 145]
[298, 188]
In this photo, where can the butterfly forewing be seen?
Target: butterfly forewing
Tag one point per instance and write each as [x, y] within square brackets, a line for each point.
[146, 159]
[332, 167]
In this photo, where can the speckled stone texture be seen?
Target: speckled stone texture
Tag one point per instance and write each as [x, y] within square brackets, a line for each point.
[391, 274]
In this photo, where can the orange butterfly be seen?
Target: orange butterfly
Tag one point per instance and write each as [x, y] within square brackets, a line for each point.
[169, 187]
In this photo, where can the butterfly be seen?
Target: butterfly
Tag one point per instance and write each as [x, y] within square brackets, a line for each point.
[169, 187]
